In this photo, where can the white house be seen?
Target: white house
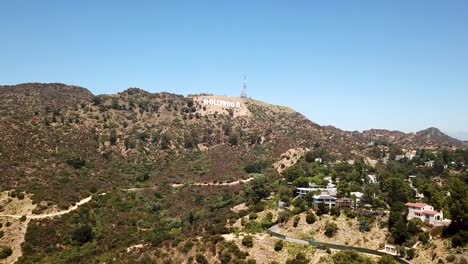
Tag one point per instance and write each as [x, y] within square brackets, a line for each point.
[426, 213]
[330, 190]
[328, 200]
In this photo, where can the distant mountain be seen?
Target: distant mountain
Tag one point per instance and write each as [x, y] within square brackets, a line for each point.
[431, 138]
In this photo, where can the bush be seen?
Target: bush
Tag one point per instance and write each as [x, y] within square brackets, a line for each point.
[278, 245]
[451, 258]
[311, 218]
[247, 241]
[364, 225]
[299, 259]
[296, 221]
[283, 216]
[460, 239]
[76, 163]
[330, 229]
[113, 137]
[1, 234]
[201, 259]
[83, 234]
[322, 209]
[424, 238]
[387, 259]
[410, 254]
[5, 252]
[350, 214]
[350, 257]
[335, 211]
[253, 216]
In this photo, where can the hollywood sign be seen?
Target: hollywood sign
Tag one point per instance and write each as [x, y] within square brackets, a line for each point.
[217, 102]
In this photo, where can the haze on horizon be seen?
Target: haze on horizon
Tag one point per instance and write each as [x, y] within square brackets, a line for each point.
[355, 65]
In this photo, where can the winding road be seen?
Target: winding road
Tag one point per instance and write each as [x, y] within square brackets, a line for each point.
[275, 231]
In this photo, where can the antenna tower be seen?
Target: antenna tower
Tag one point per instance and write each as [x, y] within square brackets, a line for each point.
[244, 88]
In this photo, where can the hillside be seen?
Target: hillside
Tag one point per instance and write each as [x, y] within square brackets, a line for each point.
[153, 168]
[61, 143]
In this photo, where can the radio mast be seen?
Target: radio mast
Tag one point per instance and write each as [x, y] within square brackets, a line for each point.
[244, 89]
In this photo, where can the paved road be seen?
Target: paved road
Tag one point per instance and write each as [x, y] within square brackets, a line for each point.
[276, 231]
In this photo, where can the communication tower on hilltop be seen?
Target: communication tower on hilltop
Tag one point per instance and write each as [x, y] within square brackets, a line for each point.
[244, 88]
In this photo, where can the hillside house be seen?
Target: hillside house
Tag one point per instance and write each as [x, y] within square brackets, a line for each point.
[328, 200]
[429, 164]
[426, 213]
[329, 190]
[344, 202]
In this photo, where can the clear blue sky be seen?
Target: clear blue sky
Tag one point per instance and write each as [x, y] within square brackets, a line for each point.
[352, 64]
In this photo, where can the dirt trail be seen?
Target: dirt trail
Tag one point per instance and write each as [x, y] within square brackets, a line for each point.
[48, 215]
[223, 183]
[15, 235]
[177, 185]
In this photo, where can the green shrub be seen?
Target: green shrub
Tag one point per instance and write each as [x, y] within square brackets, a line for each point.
[387, 259]
[296, 221]
[424, 238]
[460, 239]
[410, 254]
[299, 259]
[330, 229]
[311, 218]
[350, 214]
[5, 252]
[247, 241]
[350, 257]
[278, 245]
[451, 258]
[322, 209]
[253, 216]
[201, 259]
[83, 234]
[335, 211]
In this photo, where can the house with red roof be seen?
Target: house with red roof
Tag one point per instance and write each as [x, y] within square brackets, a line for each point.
[426, 213]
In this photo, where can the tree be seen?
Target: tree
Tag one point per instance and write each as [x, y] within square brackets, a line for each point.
[258, 189]
[97, 100]
[458, 203]
[322, 209]
[83, 234]
[400, 232]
